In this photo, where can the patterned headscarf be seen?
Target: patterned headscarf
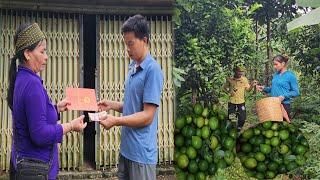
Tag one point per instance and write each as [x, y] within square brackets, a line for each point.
[29, 36]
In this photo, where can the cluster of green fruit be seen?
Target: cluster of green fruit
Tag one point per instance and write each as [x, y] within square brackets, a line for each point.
[204, 142]
[271, 148]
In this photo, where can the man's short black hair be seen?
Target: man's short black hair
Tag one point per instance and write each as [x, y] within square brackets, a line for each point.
[137, 24]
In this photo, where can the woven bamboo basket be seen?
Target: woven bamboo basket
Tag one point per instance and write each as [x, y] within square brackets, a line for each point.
[269, 109]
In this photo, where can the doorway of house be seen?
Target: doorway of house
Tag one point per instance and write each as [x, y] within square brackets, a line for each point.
[89, 69]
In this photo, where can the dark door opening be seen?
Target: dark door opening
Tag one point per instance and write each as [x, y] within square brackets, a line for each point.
[89, 68]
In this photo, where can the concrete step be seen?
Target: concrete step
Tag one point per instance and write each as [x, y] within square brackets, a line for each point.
[163, 173]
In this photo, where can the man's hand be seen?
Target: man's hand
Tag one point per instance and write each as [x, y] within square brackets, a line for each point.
[252, 85]
[108, 121]
[62, 105]
[105, 105]
[136, 120]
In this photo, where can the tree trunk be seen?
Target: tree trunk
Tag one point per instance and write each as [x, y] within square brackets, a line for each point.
[255, 76]
[255, 70]
[194, 96]
[267, 67]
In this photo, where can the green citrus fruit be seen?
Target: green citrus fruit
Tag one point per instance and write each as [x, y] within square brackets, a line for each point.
[246, 148]
[275, 141]
[233, 133]
[191, 177]
[261, 167]
[229, 157]
[267, 125]
[203, 165]
[181, 176]
[208, 156]
[200, 122]
[183, 161]
[221, 164]
[270, 174]
[205, 112]
[179, 140]
[257, 131]
[247, 134]
[300, 149]
[198, 109]
[260, 156]
[180, 123]
[284, 134]
[282, 169]
[291, 166]
[275, 126]
[196, 142]
[300, 160]
[265, 148]
[198, 132]
[267, 141]
[283, 149]
[213, 142]
[229, 143]
[205, 132]
[201, 176]
[176, 155]
[193, 166]
[259, 176]
[188, 119]
[250, 163]
[268, 133]
[213, 123]
[191, 152]
[212, 169]
[183, 150]
[272, 166]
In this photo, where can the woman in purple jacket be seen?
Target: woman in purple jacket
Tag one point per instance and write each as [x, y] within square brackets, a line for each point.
[35, 128]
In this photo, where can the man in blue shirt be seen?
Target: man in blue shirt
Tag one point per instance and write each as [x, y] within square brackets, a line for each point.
[143, 86]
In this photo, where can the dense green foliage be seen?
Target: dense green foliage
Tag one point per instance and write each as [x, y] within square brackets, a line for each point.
[213, 36]
[210, 38]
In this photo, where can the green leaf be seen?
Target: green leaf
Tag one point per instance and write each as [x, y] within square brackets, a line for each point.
[253, 8]
[314, 51]
[240, 1]
[178, 70]
[180, 78]
[177, 83]
[176, 16]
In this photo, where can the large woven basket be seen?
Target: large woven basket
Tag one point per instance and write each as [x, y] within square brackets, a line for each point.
[269, 109]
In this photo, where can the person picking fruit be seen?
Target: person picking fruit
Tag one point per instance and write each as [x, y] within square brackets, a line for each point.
[236, 87]
[284, 83]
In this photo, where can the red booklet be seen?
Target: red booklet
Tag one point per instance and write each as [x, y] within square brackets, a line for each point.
[82, 99]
